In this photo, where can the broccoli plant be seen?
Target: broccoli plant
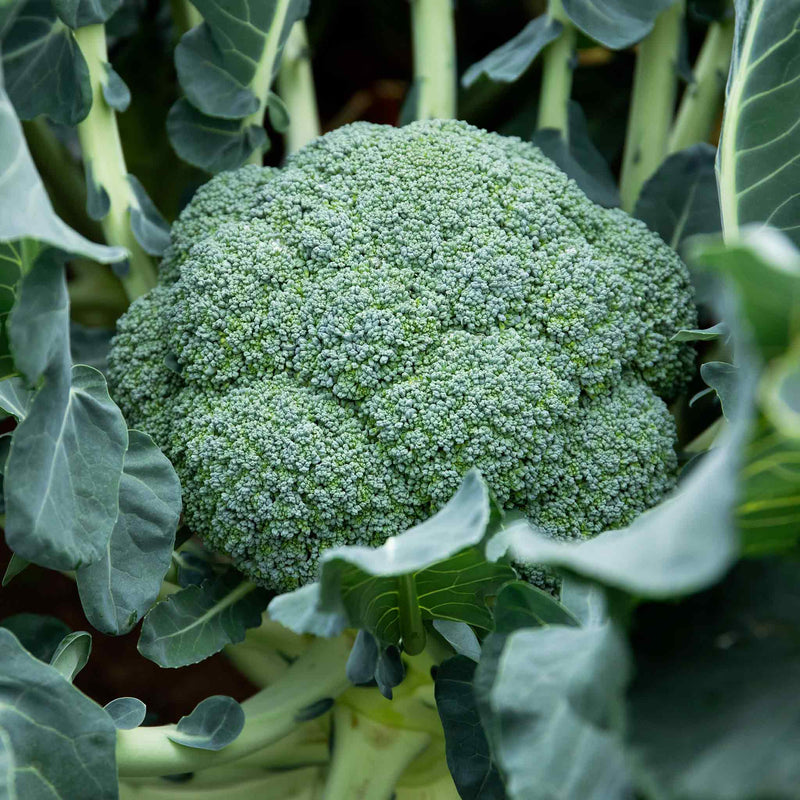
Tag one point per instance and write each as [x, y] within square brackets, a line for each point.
[403, 420]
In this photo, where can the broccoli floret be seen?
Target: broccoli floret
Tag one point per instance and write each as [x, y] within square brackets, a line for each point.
[334, 343]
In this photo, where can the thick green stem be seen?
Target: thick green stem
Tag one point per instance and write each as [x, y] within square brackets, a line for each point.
[557, 61]
[269, 716]
[290, 785]
[368, 757]
[702, 100]
[102, 153]
[262, 79]
[412, 629]
[296, 88]
[655, 83]
[434, 42]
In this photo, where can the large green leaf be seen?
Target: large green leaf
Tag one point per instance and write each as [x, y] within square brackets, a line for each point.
[768, 512]
[118, 589]
[77, 13]
[198, 621]
[10, 273]
[63, 473]
[615, 23]
[764, 266]
[45, 71]
[54, 741]
[441, 559]
[715, 704]
[661, 554]
[759, 156]
[551, 704]
[25, 208]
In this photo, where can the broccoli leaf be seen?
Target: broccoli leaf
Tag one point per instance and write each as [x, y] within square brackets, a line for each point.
[118, 589]
[127, 712]
[760, 139]
[681, 199]
[442, 557]
[25, 208]
[45, 71]
[509, 61]
[56, 742]
[729, 661]
[198, 621]
[213, 724]
[615, 23]
[469, 759]
[552, 708]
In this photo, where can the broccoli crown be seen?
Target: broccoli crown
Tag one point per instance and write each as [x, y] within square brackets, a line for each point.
[334, 343]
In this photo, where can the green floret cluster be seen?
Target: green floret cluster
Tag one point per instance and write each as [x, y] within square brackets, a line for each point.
[334, 343]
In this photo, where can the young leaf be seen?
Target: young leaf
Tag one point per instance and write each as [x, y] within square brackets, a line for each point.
[359, 585]
[72, 654]
[615, 23]
[760, 132]
[45, 72]
[551, 707]
[39, 634]
[363, 659]
[718, 331]
[57, 742]
[722, 378]
[469, 759]
[460, 637]
[98, 203]
[25, 208]
[728, 660]
[199, 621]
[213, 724]
[509, 61]
[119, 588]
[681, 199]
[16, 565]
[127, 712]
[149, 227]
[115, 92]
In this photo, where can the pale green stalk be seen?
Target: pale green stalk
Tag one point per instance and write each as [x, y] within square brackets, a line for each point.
[262, 79]
[655, 83]
[702, 100]
[557, 61]
[368, 757]
[102, 149]
[296, 88]
[434, 44]
[269, 716]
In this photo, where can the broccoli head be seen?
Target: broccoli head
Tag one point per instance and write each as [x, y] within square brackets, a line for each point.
[334, 343]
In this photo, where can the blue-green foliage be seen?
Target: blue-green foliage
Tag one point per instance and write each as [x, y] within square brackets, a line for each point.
[333, 344]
